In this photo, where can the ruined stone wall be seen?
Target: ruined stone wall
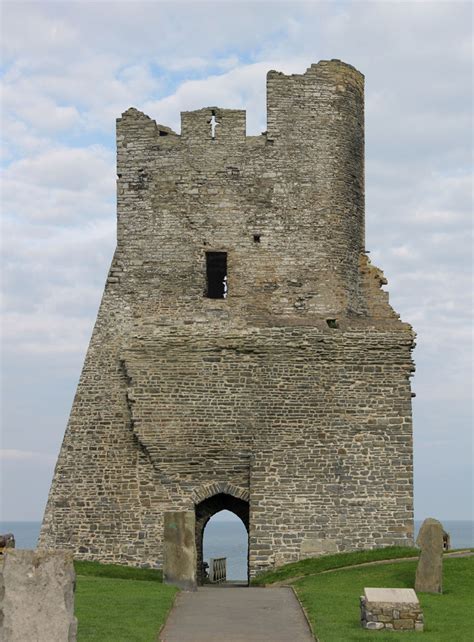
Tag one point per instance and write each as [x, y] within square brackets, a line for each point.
[180, 391]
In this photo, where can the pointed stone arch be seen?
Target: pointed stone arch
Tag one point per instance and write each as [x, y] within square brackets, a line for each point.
[211, 499]
[208, 490]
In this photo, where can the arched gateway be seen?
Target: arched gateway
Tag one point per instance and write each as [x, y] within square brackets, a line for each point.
[243, 342]
[212, 500]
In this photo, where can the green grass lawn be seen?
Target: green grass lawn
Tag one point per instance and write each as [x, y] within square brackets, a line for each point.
[124, 604]
[116, 571]
[317, 564]
[331, 601]
[120, 604]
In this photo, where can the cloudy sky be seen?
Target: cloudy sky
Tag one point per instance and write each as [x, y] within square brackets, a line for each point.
[70, 68]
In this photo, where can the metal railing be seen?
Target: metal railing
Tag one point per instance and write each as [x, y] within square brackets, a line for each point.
[217, 569]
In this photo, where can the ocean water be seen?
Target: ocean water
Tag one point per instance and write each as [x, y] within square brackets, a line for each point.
[229, 539]
[26, 533]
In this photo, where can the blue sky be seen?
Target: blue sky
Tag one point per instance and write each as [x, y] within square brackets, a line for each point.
[69, 69]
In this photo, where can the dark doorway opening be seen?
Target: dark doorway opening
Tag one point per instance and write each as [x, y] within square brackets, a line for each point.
[207, 509]
[216, 271]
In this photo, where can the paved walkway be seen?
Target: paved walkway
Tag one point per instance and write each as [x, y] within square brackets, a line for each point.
[237, 614]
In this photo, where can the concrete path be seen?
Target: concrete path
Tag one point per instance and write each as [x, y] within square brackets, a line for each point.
[237, 614]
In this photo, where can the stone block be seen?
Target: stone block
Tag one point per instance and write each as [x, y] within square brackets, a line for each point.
[391, 609]
[179, 554]
[388, 596]
[385, 618]
[404, 624]
[37, 597]
[374, 625]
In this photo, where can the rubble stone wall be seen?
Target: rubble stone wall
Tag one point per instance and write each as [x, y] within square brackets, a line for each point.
[294, 388]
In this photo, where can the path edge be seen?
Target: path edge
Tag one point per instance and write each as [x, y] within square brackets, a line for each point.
[306, 617]
[170, 610]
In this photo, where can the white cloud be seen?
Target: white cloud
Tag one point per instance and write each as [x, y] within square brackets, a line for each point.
[45, 333]
[72, 169]
[53, 282]
[26, 455]
[20, 140]
[38, 110]
[61, 184]
[243, 87]
[405, 252]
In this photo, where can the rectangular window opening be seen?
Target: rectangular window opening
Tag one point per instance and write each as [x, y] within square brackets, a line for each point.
[216, 271]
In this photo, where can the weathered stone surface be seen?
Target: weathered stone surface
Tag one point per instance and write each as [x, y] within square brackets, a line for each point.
[390, 596]
[390, 609]
[289, 400]
[312, 547]
[37, 597]
[404, 624]
[374, 625]
[179, 553]
[429, 572]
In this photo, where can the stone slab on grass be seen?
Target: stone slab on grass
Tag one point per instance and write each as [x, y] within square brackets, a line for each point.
[391, 595]
[391, 608]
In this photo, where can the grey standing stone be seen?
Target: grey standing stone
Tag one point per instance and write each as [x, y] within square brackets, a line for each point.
[429, 572]
[179, 558]
[37, 597]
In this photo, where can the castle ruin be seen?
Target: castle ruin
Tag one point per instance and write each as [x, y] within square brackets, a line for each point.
[244, 355]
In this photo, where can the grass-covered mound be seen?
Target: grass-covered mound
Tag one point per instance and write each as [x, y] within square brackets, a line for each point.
[331, 601]
[120, 603]
[314, 565]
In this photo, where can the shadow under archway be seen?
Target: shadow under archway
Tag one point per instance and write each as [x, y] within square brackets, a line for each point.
[209, 507]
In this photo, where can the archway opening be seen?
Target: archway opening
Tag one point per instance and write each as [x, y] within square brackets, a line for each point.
[227, 538]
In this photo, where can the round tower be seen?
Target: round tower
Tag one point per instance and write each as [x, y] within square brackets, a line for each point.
[316, 125]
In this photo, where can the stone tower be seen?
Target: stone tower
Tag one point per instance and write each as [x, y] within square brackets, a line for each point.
[244, 356]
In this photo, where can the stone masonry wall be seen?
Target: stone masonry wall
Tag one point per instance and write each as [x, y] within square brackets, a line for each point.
[180, 392]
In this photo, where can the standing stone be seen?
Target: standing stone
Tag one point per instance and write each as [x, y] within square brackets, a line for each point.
[179, 555]
[430, 566]
[37, 597]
